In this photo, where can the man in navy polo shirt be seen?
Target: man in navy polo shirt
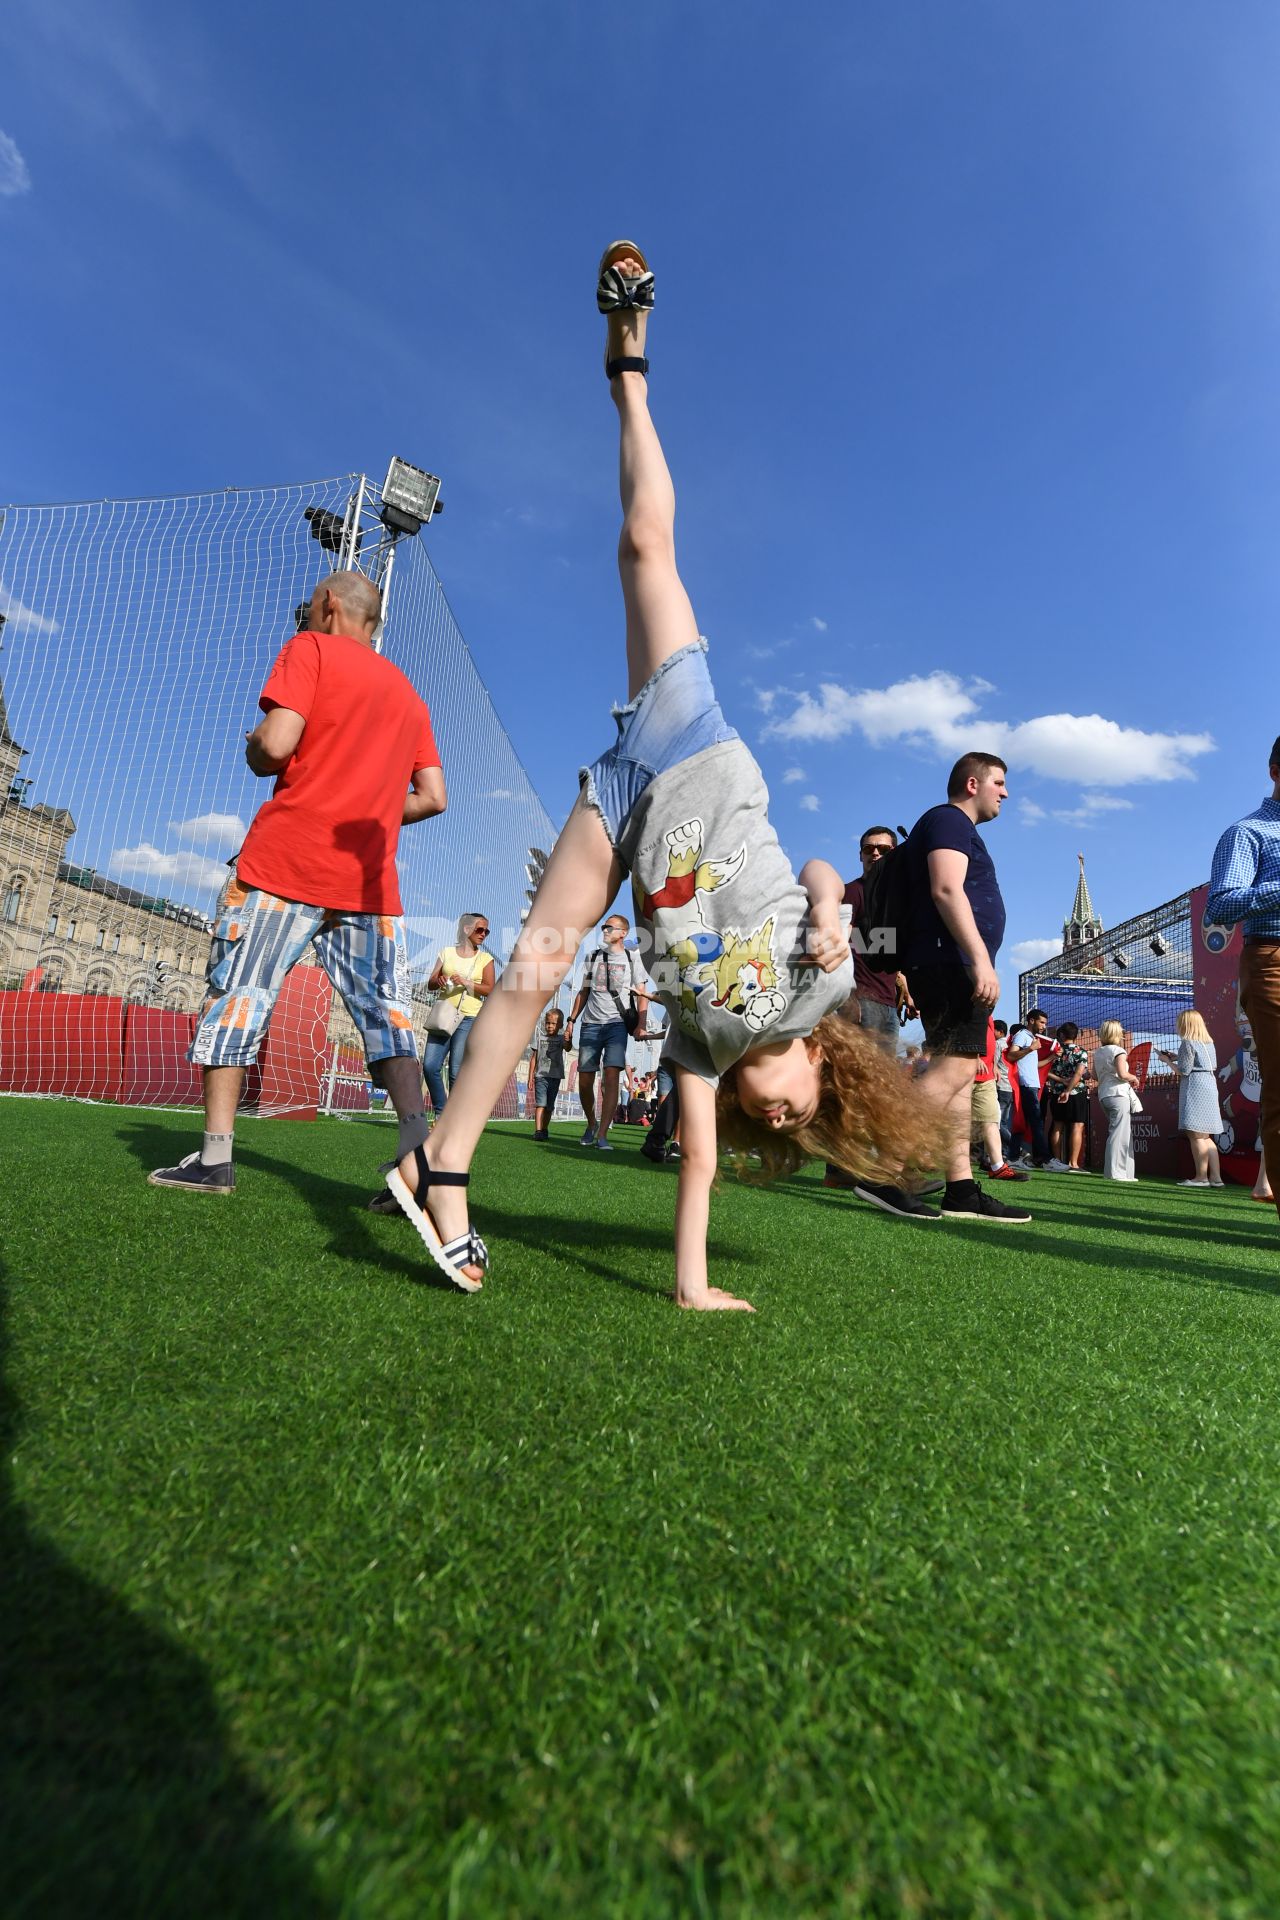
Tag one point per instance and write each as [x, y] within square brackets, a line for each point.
[956, 926]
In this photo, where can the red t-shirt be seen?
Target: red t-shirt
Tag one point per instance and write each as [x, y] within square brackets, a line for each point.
[328, 834]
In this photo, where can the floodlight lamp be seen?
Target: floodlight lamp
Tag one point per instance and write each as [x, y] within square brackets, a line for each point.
[326, 527]
[410, 495]
[1159, 946]
[1121, 960]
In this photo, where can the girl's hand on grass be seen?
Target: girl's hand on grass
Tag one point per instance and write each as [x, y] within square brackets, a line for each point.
[714, 1300]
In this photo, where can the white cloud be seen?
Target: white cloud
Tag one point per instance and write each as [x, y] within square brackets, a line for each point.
[15, 177]
[791, 775]
[941, 711]
[183, 869]
[22, 618]
[1091, 805]
[498, 793]
[225, 830]
[820, 626]
[809, 803]
[1030, 813]
[765, 698]
[1029, 953]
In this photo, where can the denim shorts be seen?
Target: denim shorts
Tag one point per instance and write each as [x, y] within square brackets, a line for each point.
[674, 716]
[609, 1039]
[545, 1090]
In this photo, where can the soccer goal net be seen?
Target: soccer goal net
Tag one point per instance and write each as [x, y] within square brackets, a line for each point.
[135, 638]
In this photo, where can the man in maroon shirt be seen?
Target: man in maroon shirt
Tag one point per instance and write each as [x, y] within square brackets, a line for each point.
[876, 997]
[350, 745]
[873, 1005]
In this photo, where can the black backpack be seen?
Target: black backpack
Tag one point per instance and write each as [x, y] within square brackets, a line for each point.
[879, 933]
[628, 1011]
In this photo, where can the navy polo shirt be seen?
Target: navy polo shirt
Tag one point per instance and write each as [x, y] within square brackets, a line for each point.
[928, 942]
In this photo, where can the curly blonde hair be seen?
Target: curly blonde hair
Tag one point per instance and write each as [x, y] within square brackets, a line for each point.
[872, 1119]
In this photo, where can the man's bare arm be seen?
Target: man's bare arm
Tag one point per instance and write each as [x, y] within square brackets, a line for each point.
[947, 870]
[428, 797]
[273, 742]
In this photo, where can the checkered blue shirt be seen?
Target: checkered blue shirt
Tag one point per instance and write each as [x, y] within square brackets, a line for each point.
[1245, 882]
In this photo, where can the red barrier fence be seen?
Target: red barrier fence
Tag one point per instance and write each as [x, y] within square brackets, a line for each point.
[103, 1048]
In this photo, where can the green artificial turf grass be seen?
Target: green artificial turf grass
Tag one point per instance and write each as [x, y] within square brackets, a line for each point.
[948, 1584]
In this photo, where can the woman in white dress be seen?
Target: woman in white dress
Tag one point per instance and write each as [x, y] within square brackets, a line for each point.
[1118, 1094]
[1199, 1115]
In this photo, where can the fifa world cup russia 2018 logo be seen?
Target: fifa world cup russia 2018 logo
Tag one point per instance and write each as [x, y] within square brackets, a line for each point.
[1216, 938]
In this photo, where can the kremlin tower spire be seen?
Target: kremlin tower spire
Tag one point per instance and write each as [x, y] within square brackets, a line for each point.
[1082, 924]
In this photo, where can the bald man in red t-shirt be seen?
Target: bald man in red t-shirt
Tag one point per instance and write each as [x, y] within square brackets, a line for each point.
[351, 747]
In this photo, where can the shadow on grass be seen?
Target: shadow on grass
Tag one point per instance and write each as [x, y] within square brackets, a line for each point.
[340, 1206]
[118, 1790]
[1128, 1259]
[1242, 1231]
[1050, 1234]
[340, 1209]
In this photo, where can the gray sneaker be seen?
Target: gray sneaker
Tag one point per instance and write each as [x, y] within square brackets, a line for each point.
[604, 1146]
[589, 1137]
[192, 1175]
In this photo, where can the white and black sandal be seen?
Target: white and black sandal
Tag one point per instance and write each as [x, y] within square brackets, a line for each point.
[615, 291]
[466, 1249]
[618, 292]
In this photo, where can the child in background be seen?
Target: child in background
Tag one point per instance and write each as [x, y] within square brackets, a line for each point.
[548, 1071]
[984, 1114]
[751, 965]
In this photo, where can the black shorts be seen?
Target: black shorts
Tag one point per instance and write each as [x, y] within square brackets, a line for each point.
[1071, 1110]
[954, 1022]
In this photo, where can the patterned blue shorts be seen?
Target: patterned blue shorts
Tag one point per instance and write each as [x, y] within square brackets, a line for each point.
[674, 715]
[258, 937]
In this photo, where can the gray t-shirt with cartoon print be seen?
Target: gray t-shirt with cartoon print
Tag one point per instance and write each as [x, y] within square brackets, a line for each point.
[722, 914]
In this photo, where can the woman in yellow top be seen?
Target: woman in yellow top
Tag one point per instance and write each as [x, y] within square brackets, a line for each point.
[463, 978]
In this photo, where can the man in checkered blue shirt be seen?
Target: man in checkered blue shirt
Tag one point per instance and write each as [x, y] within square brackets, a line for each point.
[1244, 888]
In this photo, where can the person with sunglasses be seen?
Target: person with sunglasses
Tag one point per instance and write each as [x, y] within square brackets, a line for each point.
[462, 978]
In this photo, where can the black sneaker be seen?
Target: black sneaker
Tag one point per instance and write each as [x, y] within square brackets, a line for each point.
[907, 1206]
[970, 1202]
[192, 1175]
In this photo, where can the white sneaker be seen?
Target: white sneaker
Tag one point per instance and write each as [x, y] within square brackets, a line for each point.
[1193, 1183]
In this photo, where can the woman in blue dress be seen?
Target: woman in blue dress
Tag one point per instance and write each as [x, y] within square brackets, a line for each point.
[1199, 1116]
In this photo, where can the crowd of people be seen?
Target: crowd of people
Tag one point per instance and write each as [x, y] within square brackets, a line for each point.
[783, 993]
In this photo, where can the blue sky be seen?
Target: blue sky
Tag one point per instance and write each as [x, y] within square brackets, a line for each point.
[964, 357]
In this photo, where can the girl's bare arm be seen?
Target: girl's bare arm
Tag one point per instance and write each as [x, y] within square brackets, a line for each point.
[693, 1197]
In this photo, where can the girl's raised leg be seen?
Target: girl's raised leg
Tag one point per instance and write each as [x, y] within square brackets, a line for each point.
[659, 617]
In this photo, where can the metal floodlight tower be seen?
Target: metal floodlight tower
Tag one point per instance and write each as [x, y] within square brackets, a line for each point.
[363, 539]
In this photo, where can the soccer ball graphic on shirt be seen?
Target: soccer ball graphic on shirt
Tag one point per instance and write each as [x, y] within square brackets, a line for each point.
[763, 1008]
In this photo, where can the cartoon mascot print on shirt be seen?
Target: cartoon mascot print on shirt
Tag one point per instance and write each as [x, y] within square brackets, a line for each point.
[737, 970]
